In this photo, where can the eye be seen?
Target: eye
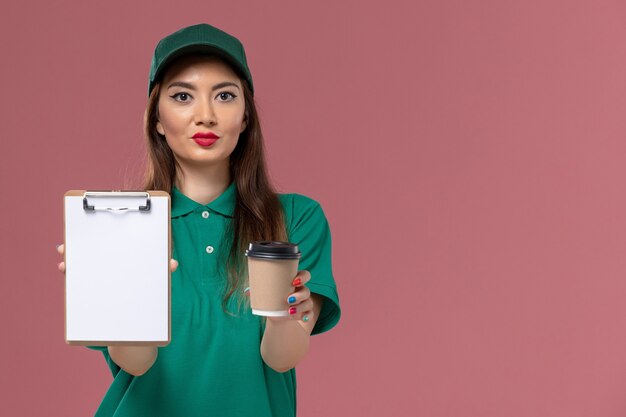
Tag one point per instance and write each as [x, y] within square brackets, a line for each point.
[183, 97]
[226, 96]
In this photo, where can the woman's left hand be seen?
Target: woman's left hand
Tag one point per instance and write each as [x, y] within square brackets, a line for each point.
[300, 302]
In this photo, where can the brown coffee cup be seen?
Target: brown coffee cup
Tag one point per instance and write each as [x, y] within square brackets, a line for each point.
[272, 266]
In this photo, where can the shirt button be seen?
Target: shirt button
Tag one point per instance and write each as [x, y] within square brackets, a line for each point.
[205, 214]
[209, 249]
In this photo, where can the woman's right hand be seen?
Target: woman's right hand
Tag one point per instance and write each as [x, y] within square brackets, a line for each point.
[61, 265]
[136, 360]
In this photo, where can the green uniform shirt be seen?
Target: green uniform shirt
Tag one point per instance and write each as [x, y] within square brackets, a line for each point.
[213, 365]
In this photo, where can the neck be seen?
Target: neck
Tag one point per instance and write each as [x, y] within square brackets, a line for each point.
[204, 184]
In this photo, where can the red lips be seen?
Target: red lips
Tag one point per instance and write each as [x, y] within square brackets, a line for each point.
[205, 135]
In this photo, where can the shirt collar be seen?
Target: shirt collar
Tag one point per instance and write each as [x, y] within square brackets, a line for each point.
[223, 204]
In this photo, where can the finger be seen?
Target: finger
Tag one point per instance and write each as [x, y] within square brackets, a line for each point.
[306, 316]
[61, 267]
[61, 248]
[173, 265]
[302, 294]
[301, 278]
[299, 310]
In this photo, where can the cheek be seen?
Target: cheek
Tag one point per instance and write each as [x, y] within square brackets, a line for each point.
[166, 122]
[234, 123]
[171, 121]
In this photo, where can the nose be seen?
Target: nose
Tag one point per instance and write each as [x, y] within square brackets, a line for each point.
[205, 113]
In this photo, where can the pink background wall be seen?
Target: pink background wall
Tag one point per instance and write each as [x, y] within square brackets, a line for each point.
[469, 156]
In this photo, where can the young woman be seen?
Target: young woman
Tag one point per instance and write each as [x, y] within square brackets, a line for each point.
[205, 147]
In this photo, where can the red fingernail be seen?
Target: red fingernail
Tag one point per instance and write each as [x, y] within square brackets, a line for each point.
[297, 282]
[292, 310]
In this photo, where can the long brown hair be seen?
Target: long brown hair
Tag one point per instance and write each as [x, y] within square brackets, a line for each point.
[258, 213]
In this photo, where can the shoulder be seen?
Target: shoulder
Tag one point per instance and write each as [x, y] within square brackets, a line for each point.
[297, 201]
[299, 208]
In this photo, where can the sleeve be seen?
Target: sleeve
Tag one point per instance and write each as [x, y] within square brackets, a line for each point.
[105, 351]
[309, 229]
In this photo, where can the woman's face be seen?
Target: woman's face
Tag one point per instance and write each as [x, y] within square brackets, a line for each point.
[201, 95]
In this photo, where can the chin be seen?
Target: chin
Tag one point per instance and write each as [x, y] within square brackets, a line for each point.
[206, 159]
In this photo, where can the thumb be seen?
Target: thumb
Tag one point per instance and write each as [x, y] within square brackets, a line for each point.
[173, 264]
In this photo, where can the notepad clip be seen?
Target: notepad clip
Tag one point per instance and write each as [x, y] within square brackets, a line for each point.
[92, 208]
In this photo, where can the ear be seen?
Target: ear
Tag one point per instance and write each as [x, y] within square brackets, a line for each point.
[244, 123]
[160, 129]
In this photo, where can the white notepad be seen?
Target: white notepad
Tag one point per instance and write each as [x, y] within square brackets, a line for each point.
[117, 279]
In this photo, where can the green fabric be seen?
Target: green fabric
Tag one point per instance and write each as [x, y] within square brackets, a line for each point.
[203, 39]
[213, 365]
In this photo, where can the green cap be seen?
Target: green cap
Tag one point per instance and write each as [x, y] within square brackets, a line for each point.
[200, 38]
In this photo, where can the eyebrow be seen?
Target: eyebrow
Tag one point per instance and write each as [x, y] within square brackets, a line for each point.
[192, 87]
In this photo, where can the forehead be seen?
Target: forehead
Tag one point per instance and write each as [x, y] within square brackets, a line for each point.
[196, 66]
